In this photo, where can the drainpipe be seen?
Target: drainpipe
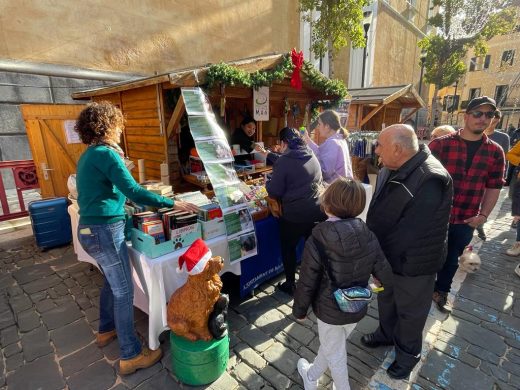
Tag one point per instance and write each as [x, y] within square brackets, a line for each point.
[64, 71]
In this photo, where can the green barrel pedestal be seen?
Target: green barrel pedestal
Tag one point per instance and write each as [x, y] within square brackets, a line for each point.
[199, 362]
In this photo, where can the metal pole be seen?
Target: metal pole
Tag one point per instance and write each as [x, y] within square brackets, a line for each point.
[420, 89]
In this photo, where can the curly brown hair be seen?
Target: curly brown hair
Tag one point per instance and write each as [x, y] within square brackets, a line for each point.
[97, 121]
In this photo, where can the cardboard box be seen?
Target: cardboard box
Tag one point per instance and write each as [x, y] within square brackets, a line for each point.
[183, 237]
[214, 228]
[145, 243]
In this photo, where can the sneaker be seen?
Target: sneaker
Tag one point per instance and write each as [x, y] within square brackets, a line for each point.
[103, 339]
[514, 250]
[441, 300]
[517, 270]
[303, 368]
[145, 359]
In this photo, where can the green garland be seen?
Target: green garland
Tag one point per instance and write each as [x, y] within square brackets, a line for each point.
[229, 75]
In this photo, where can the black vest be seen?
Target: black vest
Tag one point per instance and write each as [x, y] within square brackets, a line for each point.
[393, 198]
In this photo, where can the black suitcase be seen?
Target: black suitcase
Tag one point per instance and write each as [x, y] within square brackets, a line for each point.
[50, 222]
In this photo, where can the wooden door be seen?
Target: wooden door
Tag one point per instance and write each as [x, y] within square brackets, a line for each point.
[54, 144]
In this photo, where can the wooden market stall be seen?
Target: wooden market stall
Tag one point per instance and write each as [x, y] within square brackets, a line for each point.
[155, 111]
[376, 108]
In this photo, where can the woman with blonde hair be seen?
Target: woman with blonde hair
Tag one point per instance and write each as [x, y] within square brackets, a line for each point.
[333, 154]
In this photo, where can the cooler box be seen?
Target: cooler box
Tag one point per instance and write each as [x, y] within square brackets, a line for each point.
[50, 222]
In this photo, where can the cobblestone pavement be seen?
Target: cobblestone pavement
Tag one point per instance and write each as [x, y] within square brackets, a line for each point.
[49, 315]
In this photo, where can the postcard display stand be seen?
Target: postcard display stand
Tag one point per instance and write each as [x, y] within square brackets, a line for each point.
[214, 151]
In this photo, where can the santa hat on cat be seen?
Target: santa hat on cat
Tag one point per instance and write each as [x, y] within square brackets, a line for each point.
[194, 260]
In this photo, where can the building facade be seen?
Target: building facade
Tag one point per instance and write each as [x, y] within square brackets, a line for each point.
[497, 75]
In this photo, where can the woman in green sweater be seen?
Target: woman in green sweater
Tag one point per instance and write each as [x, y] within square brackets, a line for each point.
[103, 184]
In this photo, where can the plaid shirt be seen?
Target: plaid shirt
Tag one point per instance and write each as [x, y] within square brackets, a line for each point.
[486, 171]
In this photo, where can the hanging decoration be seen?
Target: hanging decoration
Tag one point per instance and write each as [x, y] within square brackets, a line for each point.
[286, 109]
[230, 75]
[297, 60]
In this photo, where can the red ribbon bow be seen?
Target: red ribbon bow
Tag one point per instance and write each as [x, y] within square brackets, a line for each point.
[297, 60]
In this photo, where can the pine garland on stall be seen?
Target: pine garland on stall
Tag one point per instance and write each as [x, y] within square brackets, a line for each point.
[229, 75]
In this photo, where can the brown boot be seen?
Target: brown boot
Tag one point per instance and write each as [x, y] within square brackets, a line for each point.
[145, 359]
[105, 338]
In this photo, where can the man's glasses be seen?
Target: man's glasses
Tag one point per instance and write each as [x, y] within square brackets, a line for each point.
[478, 114]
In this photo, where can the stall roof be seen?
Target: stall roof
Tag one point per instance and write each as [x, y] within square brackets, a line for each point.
[188, 77]
[405, 95]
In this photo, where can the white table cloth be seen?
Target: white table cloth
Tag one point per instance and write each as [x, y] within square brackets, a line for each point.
[155, 279]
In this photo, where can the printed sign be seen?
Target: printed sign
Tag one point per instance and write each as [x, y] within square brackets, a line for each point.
[261, 104]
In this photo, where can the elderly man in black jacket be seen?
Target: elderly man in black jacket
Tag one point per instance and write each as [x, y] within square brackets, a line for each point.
[409, 215]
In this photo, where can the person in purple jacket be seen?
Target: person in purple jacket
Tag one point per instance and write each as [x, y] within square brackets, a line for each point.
[333, 154]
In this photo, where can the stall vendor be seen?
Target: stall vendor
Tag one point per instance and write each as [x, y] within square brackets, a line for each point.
[244, 135]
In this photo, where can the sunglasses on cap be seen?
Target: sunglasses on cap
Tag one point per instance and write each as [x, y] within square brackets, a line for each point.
[478, 114]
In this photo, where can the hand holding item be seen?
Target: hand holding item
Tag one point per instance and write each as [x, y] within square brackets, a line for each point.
[185, 206]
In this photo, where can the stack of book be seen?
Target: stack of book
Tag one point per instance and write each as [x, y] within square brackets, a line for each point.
[209, 211]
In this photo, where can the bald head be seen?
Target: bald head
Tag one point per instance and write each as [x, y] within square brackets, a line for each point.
[396, 145]
[403, 135]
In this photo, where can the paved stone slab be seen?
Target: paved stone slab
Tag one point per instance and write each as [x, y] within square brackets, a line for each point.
[28, 320]
[61, 315]
[479, 310]
[450, 373]
[476, 335]
[64, 262]
[282, 358]
[43, 374]
[162, 381]
[36, 343]
[6, 319]
[8, 336]
[486, 297]
[300, 333]
[98, 376]
[71, 337]
[255, 338]
[275, 378]
[31, 273]
[250, 356]
[13, 362]
[12, 349]
[248, 377]
[41, 284]
[45, 305]
[20, 303]
[80, 359]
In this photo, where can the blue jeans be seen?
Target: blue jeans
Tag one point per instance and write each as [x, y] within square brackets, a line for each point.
[459, 236]
[106, 244]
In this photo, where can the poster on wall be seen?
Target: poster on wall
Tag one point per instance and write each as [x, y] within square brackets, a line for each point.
[261, 104]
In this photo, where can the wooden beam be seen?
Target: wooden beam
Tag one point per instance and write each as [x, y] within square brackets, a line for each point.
[410, 114]
[179, 110]
[370, 115]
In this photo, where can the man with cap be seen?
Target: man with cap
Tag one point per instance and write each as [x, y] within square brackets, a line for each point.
[476, 164]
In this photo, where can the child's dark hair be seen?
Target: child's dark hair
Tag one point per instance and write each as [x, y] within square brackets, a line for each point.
[344, 198]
